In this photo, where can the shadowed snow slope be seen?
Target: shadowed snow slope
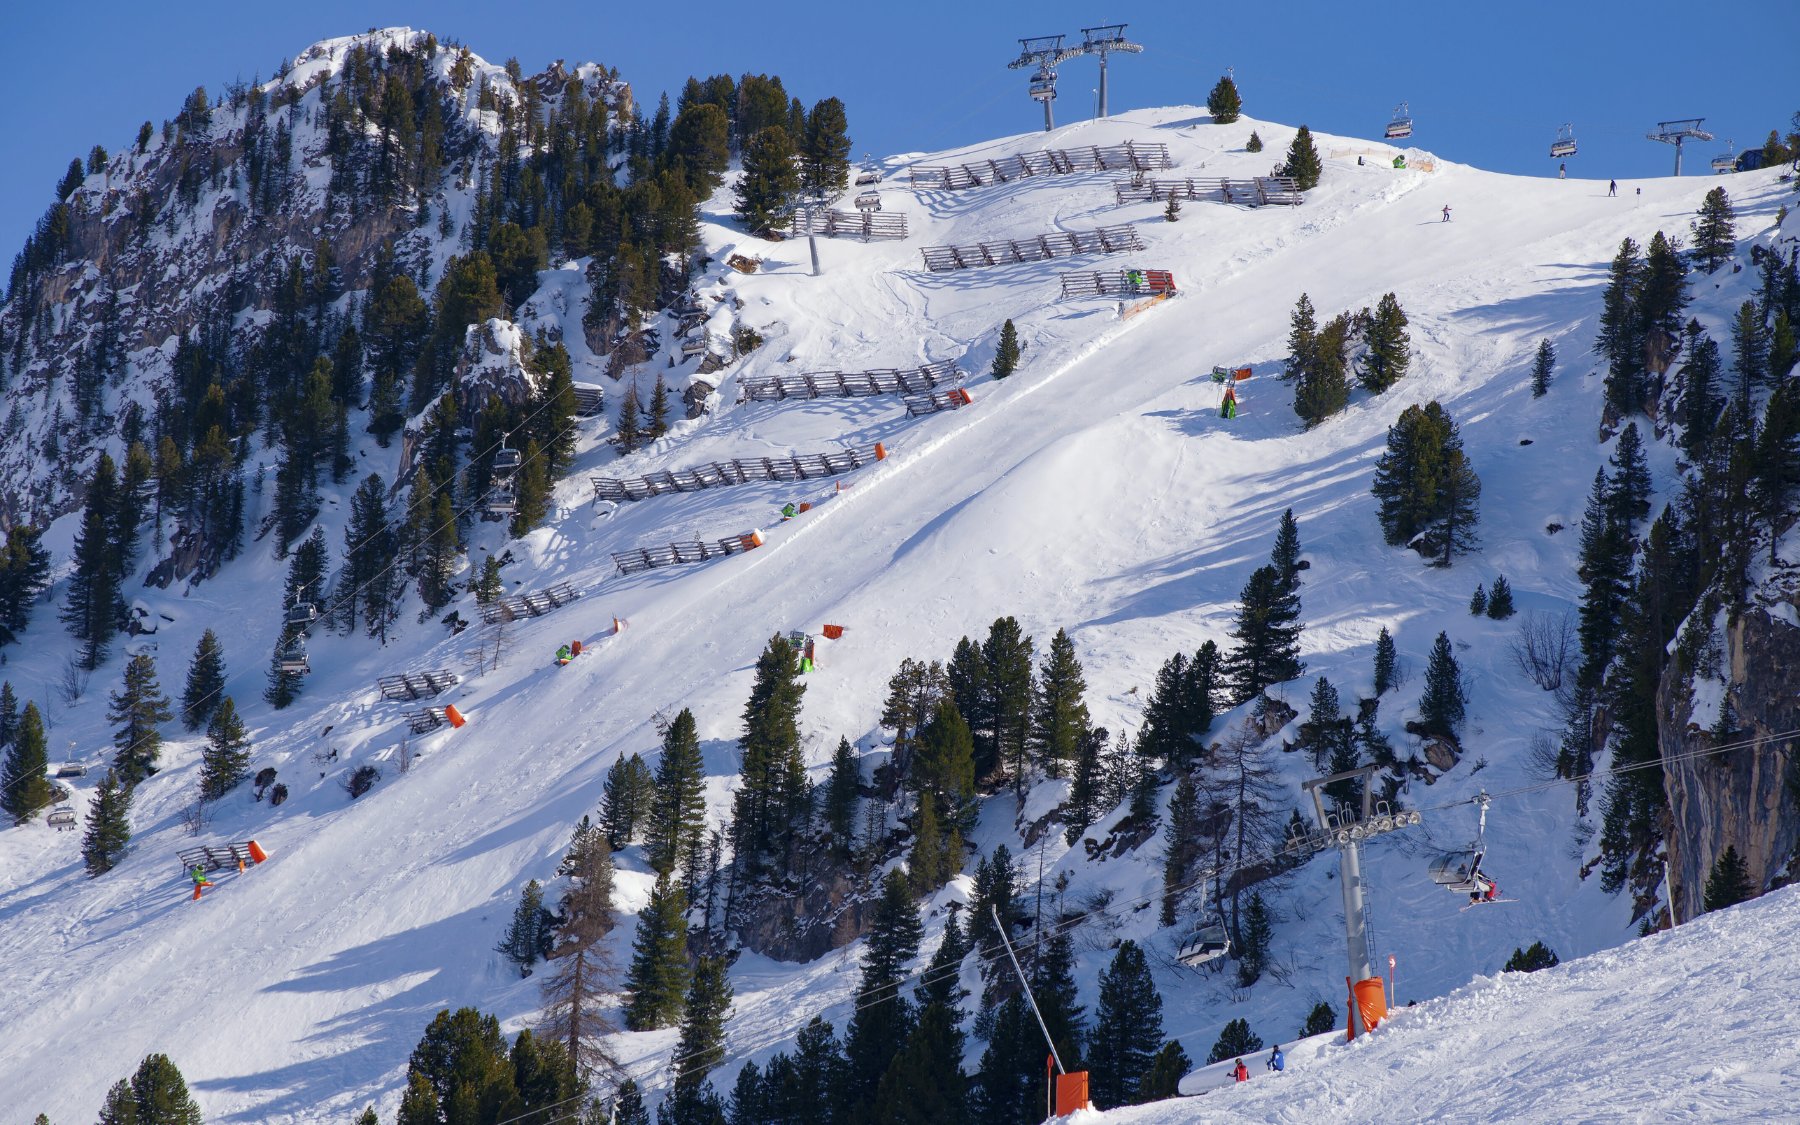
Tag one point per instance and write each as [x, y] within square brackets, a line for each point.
[1095, 490]
[1696, 1025]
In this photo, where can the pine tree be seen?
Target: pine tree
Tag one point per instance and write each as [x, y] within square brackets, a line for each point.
[24, 575]
[1172, 209]
[24, 784]
[1478, 602]
[1325, 725]
[368, 586]
[1628, 492]
[1390, 349]
[1385, 662]
[702, 1043]
[1303, 162]
[1715, 233]
[825, 151]
[883, 1018]
[1007, 687]
[1167, 1069]
[1254, 144]
[925, 1084]
[1058, 999]
[138, 706]
[1006, 352]
[1182, 833]
[1236, 1041]
[109, 826]
[659, 967]
[657, 418]
[1530, 960]
[678, 804]
[628, 1102]
[1321, 1019]
[1059, 722]
[226, 760]
[773, 792]
[1127, 1027]
[533, 497]
[1087, 793]
[1268, 634]
[996, 880]
[629, 434]
[1443, 702]
[92, 607]
[843, 790]
[1729, 883]
[1303, 333]
[770, 180]
[913, 693]
[1253, 941]
[939, 984]
[205, 682]
[1620, 336]
[9, 713]
[625, 801]
[1008, 1087]
[1500, 599]
[528, 936]
[161, 1094]
[928, 867]
[1323, 388]
[1750, 353]
[1541, 367]
[578, 981]
[1223, 103]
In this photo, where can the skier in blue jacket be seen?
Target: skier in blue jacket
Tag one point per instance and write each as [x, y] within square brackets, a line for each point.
[1277, 1060]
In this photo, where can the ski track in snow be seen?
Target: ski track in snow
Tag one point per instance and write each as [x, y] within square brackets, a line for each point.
[1095, 490]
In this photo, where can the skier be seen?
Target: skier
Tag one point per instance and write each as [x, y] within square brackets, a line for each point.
[1612, 187]
[1277, 1060]
[1562, 171]
[1446, 217]
[198, 874]
[1242, 1073]
[1136, 278]
[563, 656]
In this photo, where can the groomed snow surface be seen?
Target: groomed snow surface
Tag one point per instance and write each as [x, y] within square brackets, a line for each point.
[1096, 490]
[1694, 1025]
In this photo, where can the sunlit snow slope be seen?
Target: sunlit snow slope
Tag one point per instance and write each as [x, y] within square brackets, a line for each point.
[1096, 490]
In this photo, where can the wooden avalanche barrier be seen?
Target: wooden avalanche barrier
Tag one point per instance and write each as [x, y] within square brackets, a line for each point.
[656, 557]
[849, 384]
[1041, 248]
[1131, 156]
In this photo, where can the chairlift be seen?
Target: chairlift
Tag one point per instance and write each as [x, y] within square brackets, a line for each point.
[1564, 144]
[1401, 125]
[1725, 162]
[292, 658]
[1460, 871]
[502, 499]
[1043, 84]
[301, 614]
[506, 461]
[1208, 943]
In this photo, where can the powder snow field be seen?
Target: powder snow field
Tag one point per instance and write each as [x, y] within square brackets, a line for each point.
[1689, 1026]
[1096, 490]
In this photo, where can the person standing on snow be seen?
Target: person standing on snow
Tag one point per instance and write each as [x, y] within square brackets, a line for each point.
[1562, 171]
[1277, 1061]
[1612, 187]
[1446, 217]
[1242, 1073]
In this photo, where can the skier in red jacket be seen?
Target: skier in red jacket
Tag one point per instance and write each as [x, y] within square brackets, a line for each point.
[1242, 1073]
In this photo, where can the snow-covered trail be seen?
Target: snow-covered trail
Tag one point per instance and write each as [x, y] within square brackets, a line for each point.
[1095, 490]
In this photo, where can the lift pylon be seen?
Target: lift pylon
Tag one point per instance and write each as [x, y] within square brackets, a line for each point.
[1675, 132]
[1043, 52]
[1101, 41]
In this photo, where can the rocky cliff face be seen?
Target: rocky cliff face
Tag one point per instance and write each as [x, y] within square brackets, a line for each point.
[1744, 798]
[199, 225]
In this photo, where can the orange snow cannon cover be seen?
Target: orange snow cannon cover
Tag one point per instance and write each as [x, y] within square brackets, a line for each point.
[1242, 373]
[574, 648]
[962, 396]
[1071, 1092]
[257, 855]
[1371, 999]
[832, 632]
[803, 508]
[618, 626]
[752, 540]
[880, 452]
[454, 716]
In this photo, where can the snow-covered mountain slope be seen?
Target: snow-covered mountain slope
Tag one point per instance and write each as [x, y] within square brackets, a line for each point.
[1683, 1026]
[1095, 490]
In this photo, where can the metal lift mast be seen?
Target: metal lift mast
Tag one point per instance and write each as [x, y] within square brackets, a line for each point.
[1043, 52]
[1675, 132]
[1100, 41]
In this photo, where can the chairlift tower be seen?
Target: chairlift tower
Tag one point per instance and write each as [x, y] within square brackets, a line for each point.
[1346, 831]
[1101, 41]
[1043, 52]
[1675, 132]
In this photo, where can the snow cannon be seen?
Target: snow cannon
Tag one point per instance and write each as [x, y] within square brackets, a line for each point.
[962, 396]
[1370, 998]
[1071, 1092]
[257, 854]
[454, 716]
[751, 539]
[574, 648]
[1242, 373]
[832, 632]
[880, 452]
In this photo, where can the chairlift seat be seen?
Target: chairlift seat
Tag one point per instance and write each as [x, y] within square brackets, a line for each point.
[1460, 872]
[1398, 129]
[61, 818]
[302, 614]
[292, 660]
[506, 462]
[1561, 149]
[1204, 946]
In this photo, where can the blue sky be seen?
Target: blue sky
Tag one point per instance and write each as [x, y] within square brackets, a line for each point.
[1488, 84]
